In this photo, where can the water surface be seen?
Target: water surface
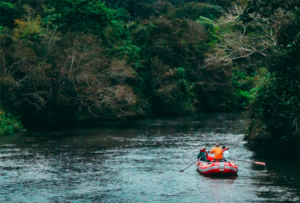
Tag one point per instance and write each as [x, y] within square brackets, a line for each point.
[138, 161]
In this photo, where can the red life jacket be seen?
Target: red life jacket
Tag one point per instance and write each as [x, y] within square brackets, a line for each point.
[201, 150]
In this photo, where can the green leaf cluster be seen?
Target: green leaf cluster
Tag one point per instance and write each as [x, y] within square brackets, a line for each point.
[9, 123]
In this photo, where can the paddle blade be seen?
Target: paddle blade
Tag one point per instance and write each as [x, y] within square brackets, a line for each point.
[260, 163]
[181, 171]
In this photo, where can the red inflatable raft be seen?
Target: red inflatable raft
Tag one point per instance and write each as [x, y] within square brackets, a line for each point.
[225, 168]
[210, 158]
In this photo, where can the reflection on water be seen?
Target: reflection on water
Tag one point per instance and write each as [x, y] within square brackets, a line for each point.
[138, 161]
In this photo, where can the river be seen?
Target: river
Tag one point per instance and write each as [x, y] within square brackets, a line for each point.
[138, 161]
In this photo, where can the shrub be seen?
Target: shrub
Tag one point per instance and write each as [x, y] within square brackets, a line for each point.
[9, 123]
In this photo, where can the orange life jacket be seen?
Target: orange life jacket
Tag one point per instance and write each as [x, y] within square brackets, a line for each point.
[218, 152]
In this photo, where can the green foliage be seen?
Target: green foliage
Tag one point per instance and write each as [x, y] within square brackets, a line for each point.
[81, 60]
[174, 47]
[206, 22]
[9, 13]
[9, 123]
[194, 10]
[86, 16]
[29, 29]
[275, 111]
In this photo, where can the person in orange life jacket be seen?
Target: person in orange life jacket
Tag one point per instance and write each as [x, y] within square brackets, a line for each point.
[225, 153]
[218, 153]
[203, 155]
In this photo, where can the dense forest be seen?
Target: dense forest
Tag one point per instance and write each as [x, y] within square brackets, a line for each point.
[72, 61]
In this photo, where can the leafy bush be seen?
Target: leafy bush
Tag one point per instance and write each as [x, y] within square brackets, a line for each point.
[9, 123]
[275, 112]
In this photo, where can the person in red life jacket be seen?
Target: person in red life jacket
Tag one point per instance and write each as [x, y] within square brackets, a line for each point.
[225, 153]
[218, 153]
[203, 155]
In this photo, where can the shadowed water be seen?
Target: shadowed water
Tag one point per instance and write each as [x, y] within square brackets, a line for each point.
[138, 161]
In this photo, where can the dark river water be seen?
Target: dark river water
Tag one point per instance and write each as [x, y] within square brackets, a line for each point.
[138, 161]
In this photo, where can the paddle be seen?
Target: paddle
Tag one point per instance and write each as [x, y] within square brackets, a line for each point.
[190, 165]
[259, 163]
